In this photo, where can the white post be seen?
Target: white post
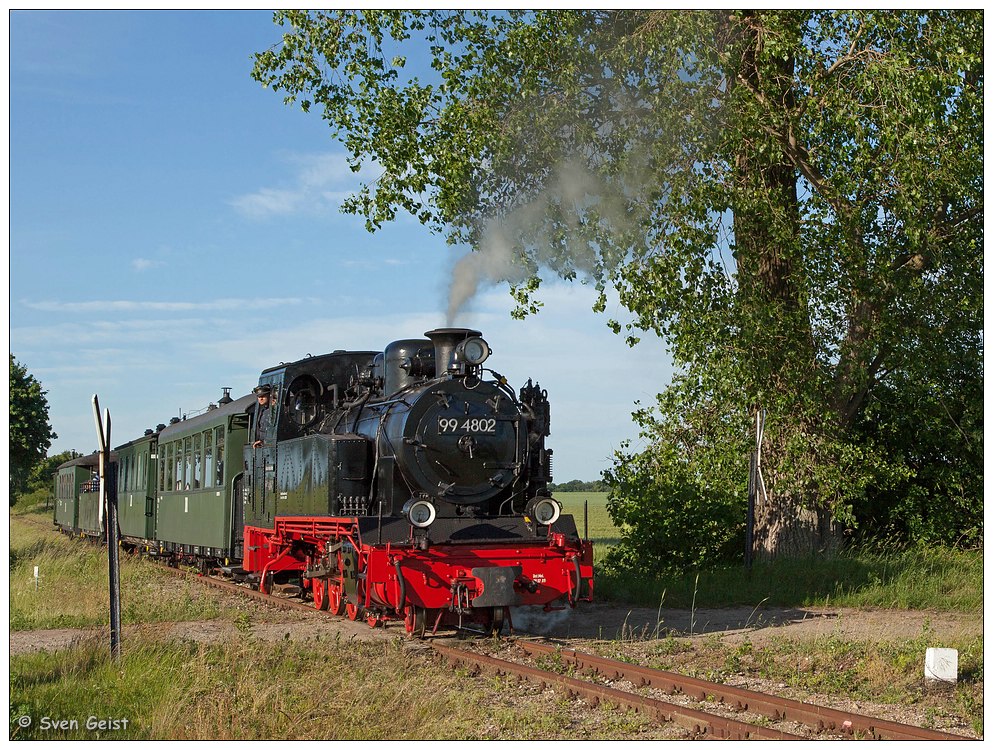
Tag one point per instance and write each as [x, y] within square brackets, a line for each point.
[941, 665]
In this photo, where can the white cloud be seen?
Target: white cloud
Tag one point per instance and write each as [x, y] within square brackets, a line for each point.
[372, 265]
[322, 170]
[318, 184]
[592, 377]
[267, 202]
[254, 303]
[144, 264]
[72, 335]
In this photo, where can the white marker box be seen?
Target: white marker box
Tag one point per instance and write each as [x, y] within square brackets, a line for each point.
[941, 665]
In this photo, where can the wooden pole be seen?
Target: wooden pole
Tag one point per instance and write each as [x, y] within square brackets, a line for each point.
[750, 517]
[108, 501]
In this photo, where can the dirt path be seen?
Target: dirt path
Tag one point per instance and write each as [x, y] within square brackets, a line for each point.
[596, 622]
[610, 622]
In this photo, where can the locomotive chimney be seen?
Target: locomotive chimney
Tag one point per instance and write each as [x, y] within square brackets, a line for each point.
[445, 340]
[226, 397]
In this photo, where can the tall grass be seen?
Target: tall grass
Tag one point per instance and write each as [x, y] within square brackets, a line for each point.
[917, 578]
[331, 689]
[73, 586]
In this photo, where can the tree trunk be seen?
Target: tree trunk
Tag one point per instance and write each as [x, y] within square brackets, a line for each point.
[787, 527]
[786, 522]
[788, 519]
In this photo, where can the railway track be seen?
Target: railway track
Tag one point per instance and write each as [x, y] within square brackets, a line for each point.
[818, 719]
[251, 593]
[713, 700]
[696, 722]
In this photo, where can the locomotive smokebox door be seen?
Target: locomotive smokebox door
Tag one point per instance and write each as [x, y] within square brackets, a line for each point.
[459, 443]
[498, 586]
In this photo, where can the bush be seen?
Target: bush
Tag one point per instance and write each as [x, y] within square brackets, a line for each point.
[671, 520]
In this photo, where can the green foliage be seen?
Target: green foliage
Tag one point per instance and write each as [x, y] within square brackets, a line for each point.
[40, 485]
[30, 431]
[932, 431]
[577, 485]
[672, 519]
[791, 199]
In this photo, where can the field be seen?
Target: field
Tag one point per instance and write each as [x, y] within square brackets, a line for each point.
[590, 511]
[73, 581]
[242, 684]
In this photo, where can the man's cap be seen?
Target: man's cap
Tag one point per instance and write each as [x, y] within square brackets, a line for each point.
[263, 390]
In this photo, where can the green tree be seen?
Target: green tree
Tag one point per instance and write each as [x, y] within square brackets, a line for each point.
[791, 199]
[43, 474]
[30, 431]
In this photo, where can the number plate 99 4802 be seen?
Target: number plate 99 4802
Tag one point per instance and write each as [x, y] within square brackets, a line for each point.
[466, 424]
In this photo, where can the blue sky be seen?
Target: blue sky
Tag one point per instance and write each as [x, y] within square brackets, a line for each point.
[174, 229]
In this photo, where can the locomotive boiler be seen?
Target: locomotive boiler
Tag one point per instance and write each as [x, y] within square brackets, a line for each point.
[410, 483]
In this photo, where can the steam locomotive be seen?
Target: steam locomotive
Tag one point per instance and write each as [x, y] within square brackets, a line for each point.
[409, 484]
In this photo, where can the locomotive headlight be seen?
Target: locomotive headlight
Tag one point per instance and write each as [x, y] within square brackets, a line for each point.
[544, 510]
[420, 513]
[473, 351]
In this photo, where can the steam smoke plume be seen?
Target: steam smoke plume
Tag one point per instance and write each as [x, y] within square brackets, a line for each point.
[574, 198]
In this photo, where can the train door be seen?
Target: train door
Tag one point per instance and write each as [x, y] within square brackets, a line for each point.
[232, 474]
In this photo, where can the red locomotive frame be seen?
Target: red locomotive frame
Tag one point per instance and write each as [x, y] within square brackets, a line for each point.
[424, 585]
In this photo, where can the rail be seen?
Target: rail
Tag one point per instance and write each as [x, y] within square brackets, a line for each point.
[817, 718]
[697, 723]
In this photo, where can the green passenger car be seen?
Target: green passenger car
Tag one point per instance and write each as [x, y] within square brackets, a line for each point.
[88, 517]
[70, 478]
[77, 495]
[198, 463]
[136, 486]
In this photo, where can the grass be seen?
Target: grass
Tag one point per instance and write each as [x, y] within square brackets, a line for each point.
[889, 672]
[914, 578]
[73, 586]
[242, 688]
[590, 510]
[246, 690]
[884, 672]
[920, 578]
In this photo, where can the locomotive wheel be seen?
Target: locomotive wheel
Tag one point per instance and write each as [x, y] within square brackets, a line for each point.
[415, 621]
[319, 587]
[336, 602]
[352, 611]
